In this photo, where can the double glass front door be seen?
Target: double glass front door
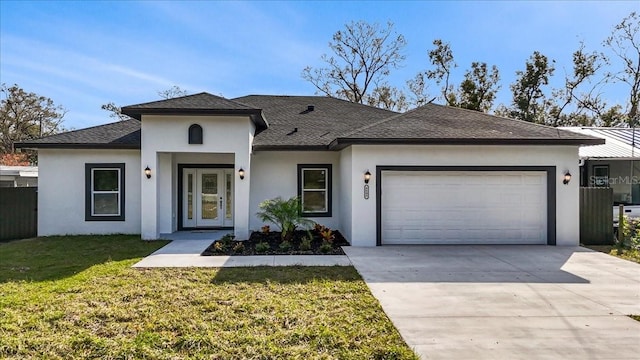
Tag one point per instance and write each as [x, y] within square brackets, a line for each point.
[207, 198]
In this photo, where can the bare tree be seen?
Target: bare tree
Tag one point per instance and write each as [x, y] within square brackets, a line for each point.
[173, 92]
[116, 113]
[625, 44]
[363, 55]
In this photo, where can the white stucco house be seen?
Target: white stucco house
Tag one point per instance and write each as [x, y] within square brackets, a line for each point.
[432, 175]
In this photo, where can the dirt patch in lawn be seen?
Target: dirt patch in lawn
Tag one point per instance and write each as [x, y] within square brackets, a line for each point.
[260, 243]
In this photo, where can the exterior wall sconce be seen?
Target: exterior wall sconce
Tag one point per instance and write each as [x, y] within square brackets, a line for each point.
[147, 172]
[567, 178]
[241, 173]
[367, 177]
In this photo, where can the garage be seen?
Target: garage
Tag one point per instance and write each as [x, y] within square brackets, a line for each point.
[463, 207]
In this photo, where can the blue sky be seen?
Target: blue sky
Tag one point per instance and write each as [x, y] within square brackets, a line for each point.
[84, 54]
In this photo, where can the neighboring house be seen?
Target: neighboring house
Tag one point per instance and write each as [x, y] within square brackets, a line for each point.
[615, 164]
[437, 174]
[18, 176]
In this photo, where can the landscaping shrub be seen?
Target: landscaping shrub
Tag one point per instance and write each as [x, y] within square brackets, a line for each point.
[630, 234]
[305, 243]
[262, 247]
[238, 248]
[284, 213]
[326, 247]
[285, 246]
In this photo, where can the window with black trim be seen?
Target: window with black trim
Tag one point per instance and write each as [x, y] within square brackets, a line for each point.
[195, 134]
[104, 192]
[314, 189]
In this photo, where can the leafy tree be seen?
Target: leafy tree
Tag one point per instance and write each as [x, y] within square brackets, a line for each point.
[387, 97]
[625, 44]
[585, 66]
[26, 116]
[529, 100]
[441, 58]
[478, 89]
[116, 113]
[363, 56]
[15, 159]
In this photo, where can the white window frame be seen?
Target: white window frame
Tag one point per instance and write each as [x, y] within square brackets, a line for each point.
[302, 168]
[94, 192]
[89, 197]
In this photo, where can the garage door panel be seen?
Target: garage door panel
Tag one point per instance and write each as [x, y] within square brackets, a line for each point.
[463, 207]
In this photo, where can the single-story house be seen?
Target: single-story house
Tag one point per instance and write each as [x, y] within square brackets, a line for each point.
[615, 164]
[18, 176]
[432, 175]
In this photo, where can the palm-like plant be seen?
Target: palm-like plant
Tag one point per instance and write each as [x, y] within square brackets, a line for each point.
[284, 213]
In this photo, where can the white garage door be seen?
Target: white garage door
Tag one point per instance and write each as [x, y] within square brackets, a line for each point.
[464, 207]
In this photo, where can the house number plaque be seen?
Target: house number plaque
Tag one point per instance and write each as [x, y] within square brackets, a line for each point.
[366, 192]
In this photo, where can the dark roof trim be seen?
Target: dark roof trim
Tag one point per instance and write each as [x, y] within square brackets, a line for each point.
[35, 145]
[290, 148]
[256, 115]
[341, 143]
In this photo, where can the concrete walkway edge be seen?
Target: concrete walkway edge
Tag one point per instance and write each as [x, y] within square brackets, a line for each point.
[186, 253]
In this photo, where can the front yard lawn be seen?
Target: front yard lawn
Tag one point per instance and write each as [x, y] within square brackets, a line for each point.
[78, 297]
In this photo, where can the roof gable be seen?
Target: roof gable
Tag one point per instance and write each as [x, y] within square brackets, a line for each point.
[197, 104]
[202, 100]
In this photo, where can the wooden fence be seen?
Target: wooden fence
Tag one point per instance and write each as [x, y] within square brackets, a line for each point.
[596, 216]
[18, 212]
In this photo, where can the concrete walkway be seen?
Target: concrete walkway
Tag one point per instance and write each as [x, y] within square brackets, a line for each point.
[506, 302]
[186, 247]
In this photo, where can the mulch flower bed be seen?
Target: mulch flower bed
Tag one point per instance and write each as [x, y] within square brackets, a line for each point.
[269, 243]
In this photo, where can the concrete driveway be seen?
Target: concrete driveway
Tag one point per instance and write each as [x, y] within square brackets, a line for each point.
[506, 302]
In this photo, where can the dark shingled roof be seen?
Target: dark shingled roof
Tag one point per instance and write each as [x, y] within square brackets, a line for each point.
[197, 104]
[438, 124]
[119, 135]
[329, 119]
[196, 101]
[332, 124]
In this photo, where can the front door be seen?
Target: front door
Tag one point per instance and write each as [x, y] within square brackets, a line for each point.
[207, 198]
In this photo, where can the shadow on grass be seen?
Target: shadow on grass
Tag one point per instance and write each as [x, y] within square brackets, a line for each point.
[58, 257]
[284, 274]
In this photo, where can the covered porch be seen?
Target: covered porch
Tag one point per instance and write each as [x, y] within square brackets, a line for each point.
[197, 196]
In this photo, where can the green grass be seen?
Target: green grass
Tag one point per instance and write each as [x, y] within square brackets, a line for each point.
[78, 297]
[627, 254]
[635, 317]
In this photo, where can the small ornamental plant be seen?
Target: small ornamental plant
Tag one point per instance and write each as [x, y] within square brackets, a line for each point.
[326, 247]
[305, 244]
[327, 235]
[262, 247]
[238, 248]
[285, 246]
[219, 247]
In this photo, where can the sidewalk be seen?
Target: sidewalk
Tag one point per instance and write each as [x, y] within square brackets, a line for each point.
[186, 253]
